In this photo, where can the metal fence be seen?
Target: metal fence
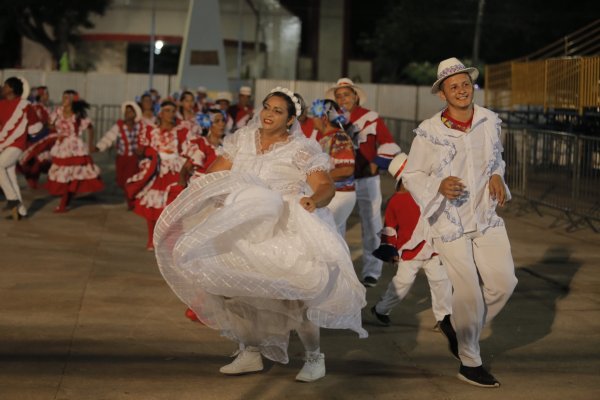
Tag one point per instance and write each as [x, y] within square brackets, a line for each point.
[564, 83]
[545, 168]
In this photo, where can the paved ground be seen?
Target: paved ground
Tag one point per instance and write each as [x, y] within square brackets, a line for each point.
[85, 314]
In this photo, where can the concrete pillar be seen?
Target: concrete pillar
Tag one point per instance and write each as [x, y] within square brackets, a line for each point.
[202, 60]
[331, 40]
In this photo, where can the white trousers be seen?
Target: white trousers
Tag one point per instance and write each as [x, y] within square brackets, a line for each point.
[8, 175]
[482, 273]
[439, 286]
[341, 207]
[368, 197]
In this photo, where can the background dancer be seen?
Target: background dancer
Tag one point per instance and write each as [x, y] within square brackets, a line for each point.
[72, 171]
[162, 147]
[36, 158]
[375, 148]
[403, 241]
[329, 121]
[125, 134]
[17, 120]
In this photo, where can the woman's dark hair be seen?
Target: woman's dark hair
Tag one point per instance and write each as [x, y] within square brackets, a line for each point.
[211, 111]
[168, 103]
[291, 108]
[185, 93]
[16, 85]
[78, 105]
[333, 110]
[38, 92]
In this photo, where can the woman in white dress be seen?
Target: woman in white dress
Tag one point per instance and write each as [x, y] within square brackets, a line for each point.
[252, 249]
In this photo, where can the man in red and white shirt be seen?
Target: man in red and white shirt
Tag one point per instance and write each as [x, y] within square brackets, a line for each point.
[375, 149]
[17, 120]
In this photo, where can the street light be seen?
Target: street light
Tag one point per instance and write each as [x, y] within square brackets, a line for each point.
[158, 45]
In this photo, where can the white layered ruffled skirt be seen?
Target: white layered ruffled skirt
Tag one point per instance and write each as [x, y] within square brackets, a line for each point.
[254, 264]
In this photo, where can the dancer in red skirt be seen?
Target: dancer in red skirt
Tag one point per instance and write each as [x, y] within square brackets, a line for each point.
[162, 147]
[125, 134]
[73, 170]
[36, 159]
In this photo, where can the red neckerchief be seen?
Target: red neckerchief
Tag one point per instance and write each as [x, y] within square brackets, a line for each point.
[454, 124]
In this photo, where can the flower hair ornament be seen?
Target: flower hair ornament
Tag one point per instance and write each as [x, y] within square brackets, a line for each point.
[203, 120]
[292, 97]
[320, 108]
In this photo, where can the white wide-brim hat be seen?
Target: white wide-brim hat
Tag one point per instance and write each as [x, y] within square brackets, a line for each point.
[449, 67]
[246, 91]
[346, 83]
[396, 167]
[136, 109]
[223, 96]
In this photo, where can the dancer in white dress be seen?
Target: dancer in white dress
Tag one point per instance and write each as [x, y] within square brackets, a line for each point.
[247, 247]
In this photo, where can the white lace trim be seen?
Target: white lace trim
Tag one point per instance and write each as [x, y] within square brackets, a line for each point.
[272, 147]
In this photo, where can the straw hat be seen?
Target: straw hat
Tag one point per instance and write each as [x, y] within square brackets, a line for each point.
[223, 96]
[346, 83]
[396, 167]
[449, 67]
[246, 91]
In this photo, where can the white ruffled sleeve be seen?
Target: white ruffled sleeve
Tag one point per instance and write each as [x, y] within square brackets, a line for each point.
[310, 158]
[231, 145]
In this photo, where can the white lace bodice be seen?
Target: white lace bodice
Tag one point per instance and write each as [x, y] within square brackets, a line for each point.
[284, 167]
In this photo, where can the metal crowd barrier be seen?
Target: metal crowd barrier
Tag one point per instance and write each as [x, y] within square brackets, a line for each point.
[545, 168]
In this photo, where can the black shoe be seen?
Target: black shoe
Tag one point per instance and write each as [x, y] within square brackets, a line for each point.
[477, 376]
[10, 204]
[369, 281]
[381, 318]
[448, 331]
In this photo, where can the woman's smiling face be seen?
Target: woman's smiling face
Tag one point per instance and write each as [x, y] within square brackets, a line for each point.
[274, 115]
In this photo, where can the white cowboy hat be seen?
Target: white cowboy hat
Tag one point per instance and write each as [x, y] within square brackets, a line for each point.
[449, 67]
[136, 109]
[346, 82]
[201, 89]
[396, 167]
[223, 96]
[246, 91]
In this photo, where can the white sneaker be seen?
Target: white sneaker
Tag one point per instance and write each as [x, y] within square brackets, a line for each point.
[313, 369]
[247, 360]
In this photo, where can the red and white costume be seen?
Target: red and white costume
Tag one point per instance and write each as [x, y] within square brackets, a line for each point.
[17, 120]
[374, 144]
[309, 130]
[201, 153]
[159, 172]
[239, 116]
[339, 147]
[72, 170]
[126, 143]
[36, 158]
[404, 236]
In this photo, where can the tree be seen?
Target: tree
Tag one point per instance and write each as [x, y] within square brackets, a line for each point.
[431, 30]
[53, 24]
